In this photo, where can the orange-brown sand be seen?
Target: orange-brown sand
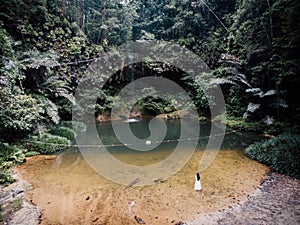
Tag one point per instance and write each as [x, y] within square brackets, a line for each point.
[68, 191]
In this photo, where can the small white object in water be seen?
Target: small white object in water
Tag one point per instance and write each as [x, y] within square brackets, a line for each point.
[197, 186]
[148, 142]
[131, 120]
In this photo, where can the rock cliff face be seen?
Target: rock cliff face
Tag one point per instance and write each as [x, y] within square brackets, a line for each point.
[16, 209]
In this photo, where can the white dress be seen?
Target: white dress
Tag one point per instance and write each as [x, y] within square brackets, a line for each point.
[197, 185]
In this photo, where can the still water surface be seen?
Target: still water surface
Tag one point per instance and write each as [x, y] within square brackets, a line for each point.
[69, 191]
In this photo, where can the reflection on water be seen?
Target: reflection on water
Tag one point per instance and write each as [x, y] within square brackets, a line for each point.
[131, 120]
[140, 128]
[69, 179]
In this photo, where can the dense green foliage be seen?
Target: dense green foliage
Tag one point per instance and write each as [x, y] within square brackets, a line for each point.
[238, 123]
[37, 81]
[19, 110]
[282, 153]
[58, 139]
[48, 143]
[76, 126]
[251, 46]
[63, 132]
[266, 45]
[9, 156]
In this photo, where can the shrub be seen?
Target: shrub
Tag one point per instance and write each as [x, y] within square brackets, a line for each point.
[63, 132]
[48, 143]
[77, 126]
[152, 108]
[5, 151]
[31, 153]
[5, 177]
[9, 156]
[239, 123]
[282, 153]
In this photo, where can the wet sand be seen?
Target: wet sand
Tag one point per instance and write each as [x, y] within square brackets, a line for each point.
[68, 191]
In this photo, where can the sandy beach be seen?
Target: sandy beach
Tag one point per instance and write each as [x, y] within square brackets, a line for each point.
[75, 194]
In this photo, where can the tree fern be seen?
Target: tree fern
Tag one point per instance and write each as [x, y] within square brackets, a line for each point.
[229, 75]
[34, 59]
[52, 111]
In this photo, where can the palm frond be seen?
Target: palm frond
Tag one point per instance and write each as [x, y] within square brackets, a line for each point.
[269, 93]
[52, 111]
[278, 103]
[67, 96]
[220, 81]
[252, 107]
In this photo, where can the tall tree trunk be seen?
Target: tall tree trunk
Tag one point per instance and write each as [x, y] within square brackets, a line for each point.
[82, 16]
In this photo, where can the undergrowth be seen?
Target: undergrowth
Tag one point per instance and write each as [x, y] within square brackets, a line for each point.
[281, 153]
[76, 126]
[58, 139]
[48, 143]
[9, 156]
[63, 132]
[238, 123]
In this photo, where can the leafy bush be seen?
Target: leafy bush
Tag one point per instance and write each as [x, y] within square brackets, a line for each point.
[63, 132]
[152, 108]
[281, 127]
[74, 125]
[5, 178]
[48, 143]
[239, 123]
[9, 156]
[5, 152]
[19, 112]
[31, 153]
[282, 153]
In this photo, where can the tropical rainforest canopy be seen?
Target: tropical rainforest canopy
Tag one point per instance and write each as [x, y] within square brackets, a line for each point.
[251, 46]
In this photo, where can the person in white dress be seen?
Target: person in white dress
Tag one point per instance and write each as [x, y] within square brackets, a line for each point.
[197, 185]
